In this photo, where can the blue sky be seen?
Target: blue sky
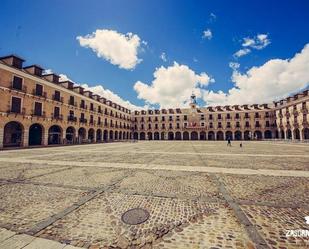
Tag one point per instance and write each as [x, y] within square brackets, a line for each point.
[45, 32]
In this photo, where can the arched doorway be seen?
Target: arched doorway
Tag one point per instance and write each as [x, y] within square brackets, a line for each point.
[203, 135]
[267, 134]
[116, 135]
[135, 136]
[282, 134]
[289, 134]
[111, 135]
[170, 136]
[185, 136]
[247, 135]
[70, 134]
[55, 135]
[306, 133]
[258, 135]
[228, 135]
[142, 136]
[211, 135]
[220, 135]
[81, 134]
[149, 134]
[194, 135]
[237, 135]
[105, 135]
[178, 135]
[35, 134]
[99, 135]
[296, 134]
[13, 134]
[91, 135]
[277, 134]
[120, 135]
[156, 136]
[162, 136]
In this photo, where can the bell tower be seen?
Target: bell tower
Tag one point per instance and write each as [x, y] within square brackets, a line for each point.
[193, 101]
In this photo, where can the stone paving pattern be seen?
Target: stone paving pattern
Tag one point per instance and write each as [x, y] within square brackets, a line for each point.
[188, 206]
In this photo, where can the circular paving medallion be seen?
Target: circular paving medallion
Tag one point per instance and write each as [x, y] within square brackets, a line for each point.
[135, 216]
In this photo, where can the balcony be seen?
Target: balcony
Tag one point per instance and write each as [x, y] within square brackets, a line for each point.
[72, 103]
[83, 106]
[57, 116]
[39, 94]
[72, 119]
[83, 120]
[57, 98]
[22, 88]
[92, 122]
[38, 114]
[304, 110]
[21, 111]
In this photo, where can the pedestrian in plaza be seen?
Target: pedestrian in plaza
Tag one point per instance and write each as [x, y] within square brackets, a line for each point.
[240, 145]
[229, 141]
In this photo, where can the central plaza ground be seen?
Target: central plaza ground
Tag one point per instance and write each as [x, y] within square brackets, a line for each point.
[198, 195]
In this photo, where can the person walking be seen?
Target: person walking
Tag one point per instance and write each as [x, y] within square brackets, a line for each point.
[229, 141]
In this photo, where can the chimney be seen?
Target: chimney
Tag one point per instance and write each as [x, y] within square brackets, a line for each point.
[13, 60]
[52, 77]
[34, 70]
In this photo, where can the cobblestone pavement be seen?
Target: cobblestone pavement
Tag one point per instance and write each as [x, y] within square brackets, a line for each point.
[198, 195]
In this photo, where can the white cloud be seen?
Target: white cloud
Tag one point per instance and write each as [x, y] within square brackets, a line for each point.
[234, 65]
[207, 34]
[172, 86]
[212, 17]
[242, 52]
[47, 71]
[64, 77]
[108, 94]
[117, 48]
[163, 57]
[275, 79]
[258, 42]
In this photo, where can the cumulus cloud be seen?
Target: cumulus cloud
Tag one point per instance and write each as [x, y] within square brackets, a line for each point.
[275, 79]
[242, 52]
[172, 86]
[258, 42]
[163, 57]
[212, 17]
[63, 77]
[207, 34]
[117, 48]
[108, 94]
[234, 65]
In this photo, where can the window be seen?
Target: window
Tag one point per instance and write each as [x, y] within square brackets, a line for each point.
[100, 110]
[228, 125]
[211, 125]
[38, 109]
[156, 126]
[71, 101]
[257, 124]
[185, 117]
[210, 117]
[267, 123]
[149, 126]
[56, 112]
[16, 105]
[237, 115]
[202, 124]
[219, 125]
[17, 83]
[91, 119]
[228, 116]
[57, 96]
[202, 117]
[246, 115]
[247, 124]
[163, 126]
[219, 116]
[171, 126]
[91, 107]
[163, 118]
[178, 126]
[38, 90]
[149, 119]
[256, 115]
[237, 124]
[82, 104]
[185, 125]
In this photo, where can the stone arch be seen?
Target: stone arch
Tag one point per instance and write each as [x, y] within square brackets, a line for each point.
[99, 135]
[149, 135]
[111, 135]
[170, 135]
[162, 136]
[220, 135]
[91, 135]
[296, 134]
[81, 134]
[55, 135]
[306, 133]
[258, 135]
[247, 135]
[185, 136]
[202, 135]
[194, 135]
[36, 132]
[116, 135]
[135, 136]
[211, 135]
[70, 134]
[178, 135]
[268, 134]
[156, 136]
[142, 136]
[228, 135]
[237, 135]
[105, 135]
[289, 134]
[13, 134]
[282, 134]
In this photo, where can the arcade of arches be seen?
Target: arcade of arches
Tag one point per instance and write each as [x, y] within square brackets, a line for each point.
[16, 134]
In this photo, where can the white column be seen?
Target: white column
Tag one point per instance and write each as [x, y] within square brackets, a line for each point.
[26, 137]
[1, 137]
[45, 137]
